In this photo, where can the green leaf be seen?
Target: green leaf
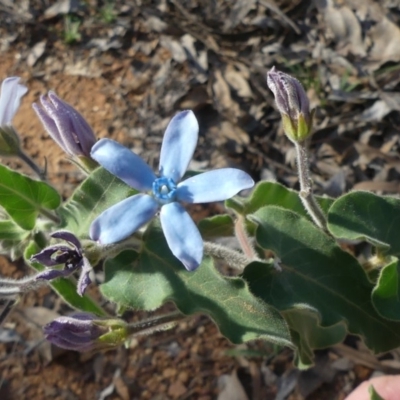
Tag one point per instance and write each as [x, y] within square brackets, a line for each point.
[273, 193]
[216, 226]
[366, 216]
[65, 287]
[98, 192]
[316, 273]
[24, 198]
[13, 239]
[386, 296]
[373, 394]
[9, 230]
[148, 280]
[309, 335]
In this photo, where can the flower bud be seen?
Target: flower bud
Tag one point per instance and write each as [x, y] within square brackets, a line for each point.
[65, 125]
[292, 103]
[86, 332]
[10, 99]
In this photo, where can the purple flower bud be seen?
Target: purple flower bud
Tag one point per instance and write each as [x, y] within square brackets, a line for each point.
[293, 104]
[86, 332]
[65, 125]
[71, 256]
[77, 332]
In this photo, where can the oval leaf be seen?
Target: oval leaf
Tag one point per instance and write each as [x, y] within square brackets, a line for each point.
[386, 296]
[148, 280]
[24, 198]
[309, 335]
[273, 193]
[99, 191]
[216, 226]
[317, 273]
[366, 216]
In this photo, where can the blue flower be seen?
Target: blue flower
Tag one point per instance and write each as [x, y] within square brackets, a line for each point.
[10, 99]
[165, 193]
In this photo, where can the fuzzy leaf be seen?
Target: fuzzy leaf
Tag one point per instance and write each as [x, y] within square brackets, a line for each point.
[98, 192]
[386, 296]
[147, 280]
[318, 274]
[24, 198]
[366, 216]
[309, 335]
[9, 230]
[273, 193]
[216, 226]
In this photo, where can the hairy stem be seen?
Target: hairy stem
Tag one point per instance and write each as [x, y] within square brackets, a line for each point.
[306, 190]
[158, 323]
[49, 215]
[233, 258]
[112, 250]
[32, 165]
[243, 237]
[15, 287]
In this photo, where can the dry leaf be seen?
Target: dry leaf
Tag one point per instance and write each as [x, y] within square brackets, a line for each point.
[231, 388]
[345, 28]
[36, 52]
[237, 81]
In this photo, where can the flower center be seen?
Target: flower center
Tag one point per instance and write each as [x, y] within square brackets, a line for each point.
[164, 190]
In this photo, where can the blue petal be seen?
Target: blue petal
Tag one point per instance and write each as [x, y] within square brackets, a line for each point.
[217, 185]
[182, 235]
[124, 164]
[178, 145]
[10, 99]
[122, 219]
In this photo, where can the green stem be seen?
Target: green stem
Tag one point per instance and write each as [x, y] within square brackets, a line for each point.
[35, 168]
[50, 215]
[306, 190]
[154, 324]
[111, 250]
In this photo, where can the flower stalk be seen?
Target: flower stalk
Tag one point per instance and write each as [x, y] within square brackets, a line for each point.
[306, 190]
[233, 258]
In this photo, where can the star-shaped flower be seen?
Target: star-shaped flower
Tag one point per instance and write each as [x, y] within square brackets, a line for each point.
[165, 192]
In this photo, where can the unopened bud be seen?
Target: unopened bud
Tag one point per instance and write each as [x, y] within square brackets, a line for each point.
[293, 104]
[65, 125]
[86, 332]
